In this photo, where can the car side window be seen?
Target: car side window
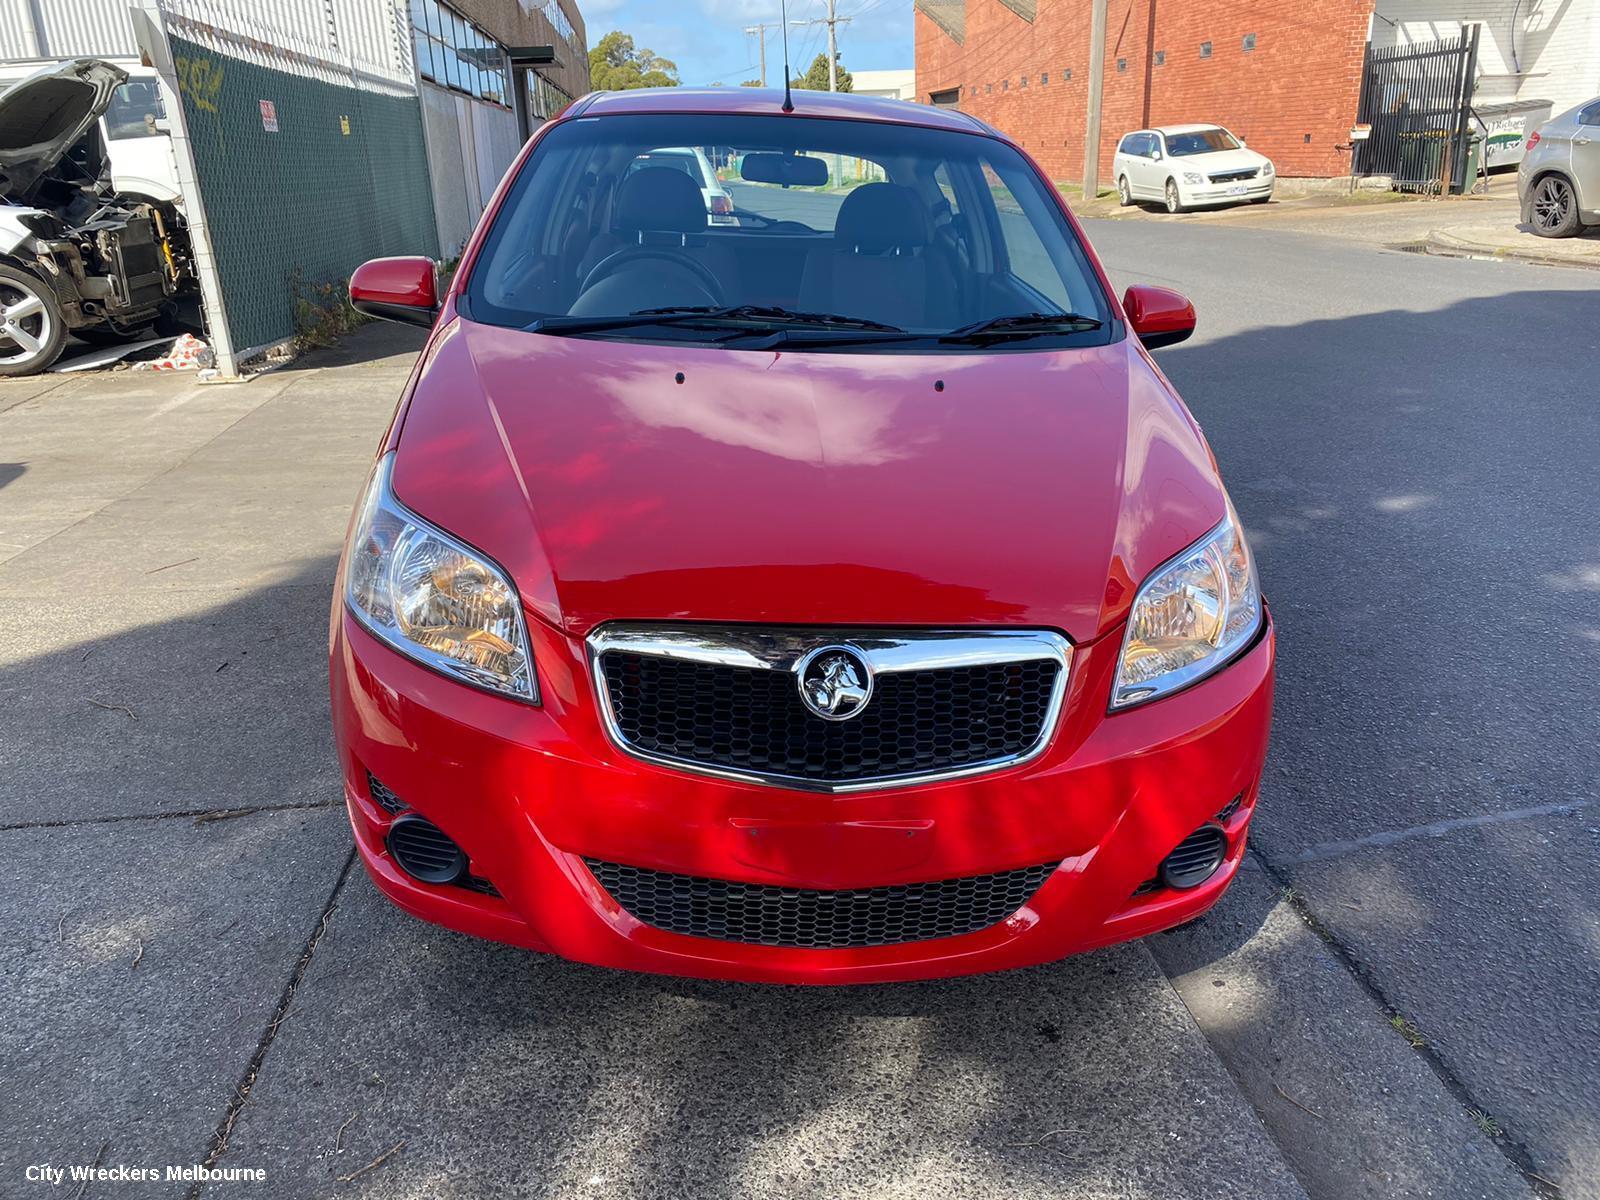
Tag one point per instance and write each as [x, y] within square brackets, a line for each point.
[1130, 144]
[1026, 253]
[1152, 147]
[1590, 115]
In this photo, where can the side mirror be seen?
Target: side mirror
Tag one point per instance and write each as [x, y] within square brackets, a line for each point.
[1159, 316]
[397, 289]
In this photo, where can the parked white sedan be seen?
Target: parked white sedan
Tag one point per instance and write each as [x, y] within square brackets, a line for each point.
[1190, 166]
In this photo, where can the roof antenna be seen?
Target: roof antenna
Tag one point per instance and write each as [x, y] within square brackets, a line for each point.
[783, 15]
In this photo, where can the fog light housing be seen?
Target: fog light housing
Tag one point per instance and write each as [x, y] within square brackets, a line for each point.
[1196, 859]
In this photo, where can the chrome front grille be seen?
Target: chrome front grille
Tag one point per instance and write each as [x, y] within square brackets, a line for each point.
[728, 702]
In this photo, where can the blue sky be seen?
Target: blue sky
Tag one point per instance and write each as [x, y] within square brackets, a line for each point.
[706, 37]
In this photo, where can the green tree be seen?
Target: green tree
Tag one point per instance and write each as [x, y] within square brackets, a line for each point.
[751, 83]
[615, 66]
[816, 77]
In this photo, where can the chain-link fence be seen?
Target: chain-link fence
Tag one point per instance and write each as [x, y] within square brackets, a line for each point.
[305, 142]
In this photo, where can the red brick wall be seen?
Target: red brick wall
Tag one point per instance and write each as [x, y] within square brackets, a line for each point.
[1293, 97]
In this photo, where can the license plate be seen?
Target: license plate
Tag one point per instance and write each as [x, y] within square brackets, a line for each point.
[1238, 191]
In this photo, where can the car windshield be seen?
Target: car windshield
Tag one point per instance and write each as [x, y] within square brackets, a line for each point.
[863, 233]
[1201, 141]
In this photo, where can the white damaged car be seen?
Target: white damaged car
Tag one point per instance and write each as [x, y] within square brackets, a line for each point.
[1190, 166]
[78, 254]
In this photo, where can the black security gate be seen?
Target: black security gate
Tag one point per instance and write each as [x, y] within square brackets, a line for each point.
[1418, 101]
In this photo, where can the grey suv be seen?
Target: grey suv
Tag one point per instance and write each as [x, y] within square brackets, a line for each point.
[1559, 180]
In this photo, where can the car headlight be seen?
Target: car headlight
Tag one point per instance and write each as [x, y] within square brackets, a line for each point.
[433, 598]
[1267, 168]
[1190, 618]
[1193, 177]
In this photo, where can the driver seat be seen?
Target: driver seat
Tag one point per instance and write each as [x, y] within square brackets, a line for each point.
[662, 207]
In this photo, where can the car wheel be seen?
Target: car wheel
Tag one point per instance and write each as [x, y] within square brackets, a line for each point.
[31, 327]
[1174, 201]
[1554, 208]
[1124, 192]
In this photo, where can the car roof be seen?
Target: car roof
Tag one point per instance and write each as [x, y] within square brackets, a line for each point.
[1166, 129]
[769, 102]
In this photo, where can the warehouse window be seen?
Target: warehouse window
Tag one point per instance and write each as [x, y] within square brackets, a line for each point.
[1249, 42]
[1044, 78]
[1161, 58]
[545, 99]
[455, 53]
[1122, 65]
[1066, 75]
[1205, 49]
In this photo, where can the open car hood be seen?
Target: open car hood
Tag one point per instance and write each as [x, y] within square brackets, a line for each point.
[43, 117]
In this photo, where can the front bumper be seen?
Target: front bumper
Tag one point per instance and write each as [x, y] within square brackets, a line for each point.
[529, 793]
[1202, 195]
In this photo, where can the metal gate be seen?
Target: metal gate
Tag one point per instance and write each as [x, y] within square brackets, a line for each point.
[1418, 101]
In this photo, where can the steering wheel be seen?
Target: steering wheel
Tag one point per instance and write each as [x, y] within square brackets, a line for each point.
[614, 262]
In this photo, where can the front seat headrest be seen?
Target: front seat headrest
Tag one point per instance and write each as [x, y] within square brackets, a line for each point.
[660, 198]
[878, 217]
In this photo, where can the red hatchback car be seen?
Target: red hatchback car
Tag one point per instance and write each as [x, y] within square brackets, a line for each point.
[835, 596]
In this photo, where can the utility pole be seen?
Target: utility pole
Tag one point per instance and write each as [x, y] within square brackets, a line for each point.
[833, 49]
[1097, 82]
[832, 21]
[760, 30]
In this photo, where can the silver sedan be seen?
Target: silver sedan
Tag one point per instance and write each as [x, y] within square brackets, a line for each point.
[1559, 179]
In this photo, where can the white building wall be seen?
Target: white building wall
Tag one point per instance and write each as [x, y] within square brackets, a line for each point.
[1532, 50]
[470, 145]
[896, 85]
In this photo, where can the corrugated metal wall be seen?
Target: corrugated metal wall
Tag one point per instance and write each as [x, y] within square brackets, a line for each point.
[66, 29]
[374, 36]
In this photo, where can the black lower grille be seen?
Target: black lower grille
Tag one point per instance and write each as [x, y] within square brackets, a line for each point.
[383, 797]
[765, 915]
[1234, 176]
[753, 720]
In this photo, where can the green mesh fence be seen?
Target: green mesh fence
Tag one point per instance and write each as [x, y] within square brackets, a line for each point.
[344, 178]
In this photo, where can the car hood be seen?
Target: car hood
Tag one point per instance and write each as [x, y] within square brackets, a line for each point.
[617, 480]
[44, 115]
[1221, 160]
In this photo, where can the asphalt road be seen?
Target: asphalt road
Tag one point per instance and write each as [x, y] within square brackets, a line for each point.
[194, 970]
[1412, 444]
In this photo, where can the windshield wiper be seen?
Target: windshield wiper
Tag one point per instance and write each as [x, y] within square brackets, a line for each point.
[1036, 324]
[712, 315]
